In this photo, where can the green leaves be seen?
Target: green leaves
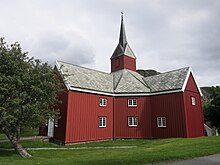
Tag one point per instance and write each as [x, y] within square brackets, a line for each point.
[28, 89]
[212, 108]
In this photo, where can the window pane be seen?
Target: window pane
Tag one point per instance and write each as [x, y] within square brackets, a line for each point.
[102, 102]
[132, 121]
[134, 102]
[161, 121]
[193, 100]
[102, 121]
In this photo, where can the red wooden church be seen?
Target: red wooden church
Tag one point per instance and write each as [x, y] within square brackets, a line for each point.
[125, 104]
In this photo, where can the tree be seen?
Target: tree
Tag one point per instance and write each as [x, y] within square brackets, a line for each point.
[28, 91]
[212, 108]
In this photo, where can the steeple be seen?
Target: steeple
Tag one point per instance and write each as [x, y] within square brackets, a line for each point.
[123, 56]
[122, 36]
[123, 47]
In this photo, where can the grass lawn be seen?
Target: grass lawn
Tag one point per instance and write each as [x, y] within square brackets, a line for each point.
[24, 133]
[146, 151]
[2, 136]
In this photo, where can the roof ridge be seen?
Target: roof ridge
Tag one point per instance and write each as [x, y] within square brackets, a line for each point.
[83, 67]
[114, 88]
[145, 84]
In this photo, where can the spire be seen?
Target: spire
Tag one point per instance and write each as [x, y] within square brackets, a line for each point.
[123, 47]
[122, 37]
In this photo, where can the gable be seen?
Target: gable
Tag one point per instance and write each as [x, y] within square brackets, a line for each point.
[191, 84]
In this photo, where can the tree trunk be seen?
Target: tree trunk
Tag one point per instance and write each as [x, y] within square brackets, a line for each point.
[15, 140]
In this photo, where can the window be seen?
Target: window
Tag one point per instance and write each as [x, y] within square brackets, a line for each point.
[56, 122]
[102, 121]
[132, 102]
[193, 100]
[102, 102]
[161, 122]
[132, 121]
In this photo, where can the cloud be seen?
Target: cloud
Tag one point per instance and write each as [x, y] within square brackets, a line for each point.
[164, 35]
[68, 46]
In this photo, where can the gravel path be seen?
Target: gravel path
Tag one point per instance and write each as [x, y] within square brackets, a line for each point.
[26, 138]
[206, 160]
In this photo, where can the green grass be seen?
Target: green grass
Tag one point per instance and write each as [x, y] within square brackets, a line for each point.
[29, 132]
[147, 151]
[24, 133]
[2, 136]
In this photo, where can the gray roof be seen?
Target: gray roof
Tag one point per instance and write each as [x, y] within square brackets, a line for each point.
[167, 81]
[127, 81]
[121, 82]
[123, 47]
[80, 77]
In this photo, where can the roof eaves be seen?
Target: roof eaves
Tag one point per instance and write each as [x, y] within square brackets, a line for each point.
[125, 94]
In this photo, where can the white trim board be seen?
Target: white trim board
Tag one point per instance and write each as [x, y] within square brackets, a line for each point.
[187, 78]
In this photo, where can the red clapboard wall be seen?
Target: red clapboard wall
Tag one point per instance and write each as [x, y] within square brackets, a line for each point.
[123, 62]
[194, 114]
[122, 112]
[83, 117]
[170, 106]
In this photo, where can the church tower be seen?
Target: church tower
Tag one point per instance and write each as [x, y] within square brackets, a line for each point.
[123, 57]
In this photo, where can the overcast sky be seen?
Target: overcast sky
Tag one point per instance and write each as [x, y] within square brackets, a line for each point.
[164, 34]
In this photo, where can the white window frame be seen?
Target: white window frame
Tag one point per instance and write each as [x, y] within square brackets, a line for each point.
[132, 102]
[161, 122]
[132, 121]
[102, 122]
[102, 102]
[193, 100]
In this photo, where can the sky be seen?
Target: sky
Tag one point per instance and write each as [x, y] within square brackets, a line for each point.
[164, 34]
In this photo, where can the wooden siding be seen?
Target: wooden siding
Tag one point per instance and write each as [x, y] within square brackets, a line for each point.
[80, 122]
[60, 131]
[122, 112]
[170, 106]
[125, 62]
[193, 113]
[83, 117]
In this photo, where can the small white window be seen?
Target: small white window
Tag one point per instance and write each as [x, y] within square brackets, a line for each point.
[102, 121]
[132, 102]
[103, 102]
[56, 122]
[193, 100]
[161, 122]
[132, 121]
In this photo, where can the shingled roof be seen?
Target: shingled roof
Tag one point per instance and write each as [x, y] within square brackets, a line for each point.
[167, 81]
[84, 78]
[121, 82]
